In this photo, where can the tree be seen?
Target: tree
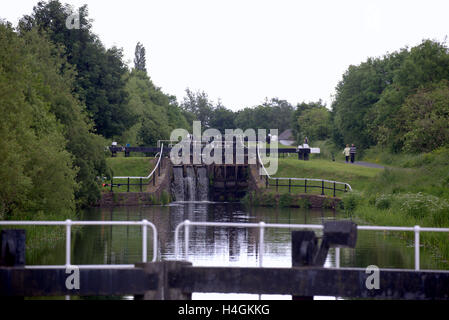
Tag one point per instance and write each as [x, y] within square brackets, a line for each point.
[425, 117]
[301, 108]
[139, 58]
[100, 72]
[222, 118]
[198, 104]
[315, 123]
[158, 112]
[36, 170]
[357, 93]
[425, 64]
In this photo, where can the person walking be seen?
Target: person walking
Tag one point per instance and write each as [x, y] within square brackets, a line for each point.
[346, 152]
[353, 152]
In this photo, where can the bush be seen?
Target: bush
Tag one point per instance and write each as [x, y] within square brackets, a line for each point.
[351, 200]
[165, 198]
[268, 200]
[419, 205]
[383, 202]
[286, 200]
[328, 204]
[304, 203]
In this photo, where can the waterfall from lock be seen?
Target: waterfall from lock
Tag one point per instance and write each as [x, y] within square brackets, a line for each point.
[178, 184]
[191, 184]
[202, 182]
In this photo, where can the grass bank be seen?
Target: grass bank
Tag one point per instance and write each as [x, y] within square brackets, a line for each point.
[130, 166]
[412, 190]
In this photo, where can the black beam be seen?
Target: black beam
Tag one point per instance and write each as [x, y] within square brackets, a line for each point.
[312, 281]
[166, 149]
[94, 282]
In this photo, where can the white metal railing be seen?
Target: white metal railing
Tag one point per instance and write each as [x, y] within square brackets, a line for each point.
[262, 225]
[296, 179]
[160, 153]
[69, 223]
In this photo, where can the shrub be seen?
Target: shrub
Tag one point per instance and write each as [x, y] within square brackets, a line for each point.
[328, 204]
[268, 200]
[286, 200]
[383, 202]
[304, 203]
[419, 205]
[165, 198]
[351, 200]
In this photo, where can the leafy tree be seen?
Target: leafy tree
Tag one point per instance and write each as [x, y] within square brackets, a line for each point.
[83, 143]
[357, 93]
[272, 114]
[244, 119]
[159, 113]
[139, 58]
[199, 105]
[301, 108]
[36, 170]
[222, 118]
[315, 123]
[281, 114]
[425, 117]
[99, 80]
[425, 64]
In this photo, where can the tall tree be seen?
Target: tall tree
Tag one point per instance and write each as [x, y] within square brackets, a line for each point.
[100, 72]
[222, 118]
[139, 58]
[301, 109]
[199, 105]
[36, 170]
[357, 93]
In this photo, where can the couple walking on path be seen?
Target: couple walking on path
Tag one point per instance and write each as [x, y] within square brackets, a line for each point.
[350, 152]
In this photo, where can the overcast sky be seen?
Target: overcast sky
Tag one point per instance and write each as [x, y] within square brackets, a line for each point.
[244, 51]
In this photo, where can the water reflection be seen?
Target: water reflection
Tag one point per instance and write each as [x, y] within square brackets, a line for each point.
[220, 246]
[226, 246]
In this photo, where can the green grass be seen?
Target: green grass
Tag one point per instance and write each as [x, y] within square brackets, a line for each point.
[412, 190]
[44, 241]
[131, 166]
[358, 177]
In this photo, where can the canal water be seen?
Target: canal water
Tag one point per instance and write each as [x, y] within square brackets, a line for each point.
[220, 246]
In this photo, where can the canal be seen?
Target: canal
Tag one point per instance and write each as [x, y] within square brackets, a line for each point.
[219, 246]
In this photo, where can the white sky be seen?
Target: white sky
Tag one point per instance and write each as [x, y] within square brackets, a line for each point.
[244, 51]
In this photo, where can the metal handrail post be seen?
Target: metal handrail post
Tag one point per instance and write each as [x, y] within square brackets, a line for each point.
[417, 258]
[186, 238]
[261, 242]
[68, 241]
[144, 241]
